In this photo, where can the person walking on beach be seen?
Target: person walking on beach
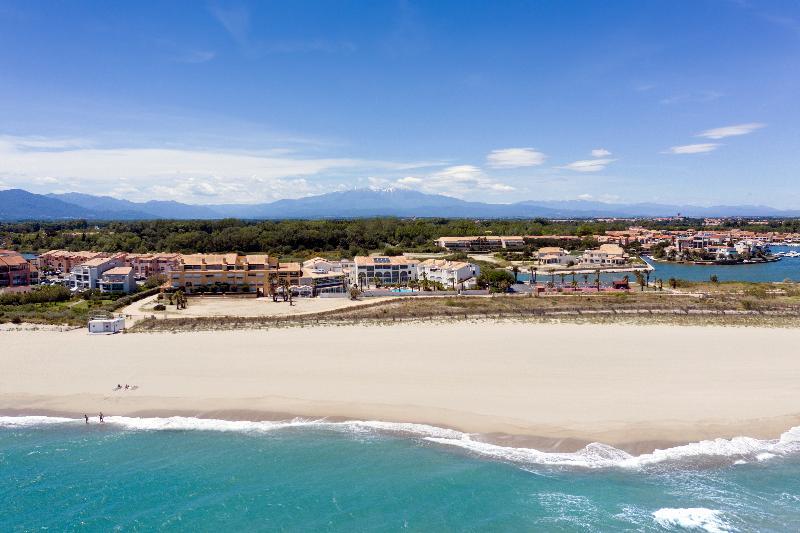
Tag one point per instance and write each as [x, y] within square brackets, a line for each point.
[86, 417]
[101, 417]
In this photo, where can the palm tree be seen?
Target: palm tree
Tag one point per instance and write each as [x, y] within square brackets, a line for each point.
[639, 279]
[533, 275]
[586, 280]
[597, 279]
[562, 279]
[515, 270]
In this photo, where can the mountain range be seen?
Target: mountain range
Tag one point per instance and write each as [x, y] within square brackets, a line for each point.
[18, 204]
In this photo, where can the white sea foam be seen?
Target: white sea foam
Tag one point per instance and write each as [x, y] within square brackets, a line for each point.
[692, 518]
[29, 421]
[603, 456]
[738, 450]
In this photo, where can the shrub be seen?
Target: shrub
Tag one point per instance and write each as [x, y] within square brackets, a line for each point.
[16, 320]
[55, 293]
[154, 281]
[159, 307]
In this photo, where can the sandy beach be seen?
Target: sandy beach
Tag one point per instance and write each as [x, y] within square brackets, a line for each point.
[552, 386]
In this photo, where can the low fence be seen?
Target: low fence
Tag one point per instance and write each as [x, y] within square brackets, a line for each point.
[334, 318]
[385, 292]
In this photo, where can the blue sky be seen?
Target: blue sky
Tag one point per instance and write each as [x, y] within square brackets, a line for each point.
[666, 101]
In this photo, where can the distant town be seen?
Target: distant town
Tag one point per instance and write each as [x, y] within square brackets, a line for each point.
[456, 267]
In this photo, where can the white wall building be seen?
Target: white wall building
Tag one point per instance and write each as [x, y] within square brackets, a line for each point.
[325, 266]
[606, 255]
[451, 274]
[118, 279]
[87, 275]
[552, 255]
[396, 270]
[107, 325]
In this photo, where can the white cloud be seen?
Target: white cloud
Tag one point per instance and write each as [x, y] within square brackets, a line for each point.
[693, 148]
[589, 165]
[458, 181]
[730, 131]
[515, 157]
[189, 175]
[600, 152]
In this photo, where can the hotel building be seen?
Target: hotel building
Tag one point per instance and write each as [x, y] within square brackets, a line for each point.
[389, 270]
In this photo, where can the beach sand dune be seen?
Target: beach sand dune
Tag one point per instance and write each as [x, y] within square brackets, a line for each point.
[556, 386]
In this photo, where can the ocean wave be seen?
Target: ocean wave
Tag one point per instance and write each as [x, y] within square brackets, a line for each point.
[30, 421]
[738, 450]
[691, 518]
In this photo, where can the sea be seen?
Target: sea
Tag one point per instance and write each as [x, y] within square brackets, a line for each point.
[187, 474]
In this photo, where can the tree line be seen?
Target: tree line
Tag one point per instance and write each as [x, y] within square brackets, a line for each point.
[296, 238]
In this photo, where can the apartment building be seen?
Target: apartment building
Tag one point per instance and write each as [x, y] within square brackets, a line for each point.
[64, 260]
[87, 275]
[15, 271]
[482, 243]
[244, 272]
[146, 265]
[117, 279]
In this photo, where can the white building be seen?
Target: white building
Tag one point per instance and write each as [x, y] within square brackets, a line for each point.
[117, 279]
[396, 270]
[87, 275]
[451, 274]
[107, 325]
[606, 255]
[552, 255]
[325, 266]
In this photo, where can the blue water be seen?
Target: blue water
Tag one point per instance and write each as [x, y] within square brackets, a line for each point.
[786, 268]
[68, 476]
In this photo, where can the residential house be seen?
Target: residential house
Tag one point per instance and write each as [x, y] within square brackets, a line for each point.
[451, 274]
[605, 255]
[552, 255]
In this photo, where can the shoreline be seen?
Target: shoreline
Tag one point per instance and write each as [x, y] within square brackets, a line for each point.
[555, 444]
[556, 387]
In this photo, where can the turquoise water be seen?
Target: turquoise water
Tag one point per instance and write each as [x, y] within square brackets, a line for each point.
[786, 268]
[346, 477]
